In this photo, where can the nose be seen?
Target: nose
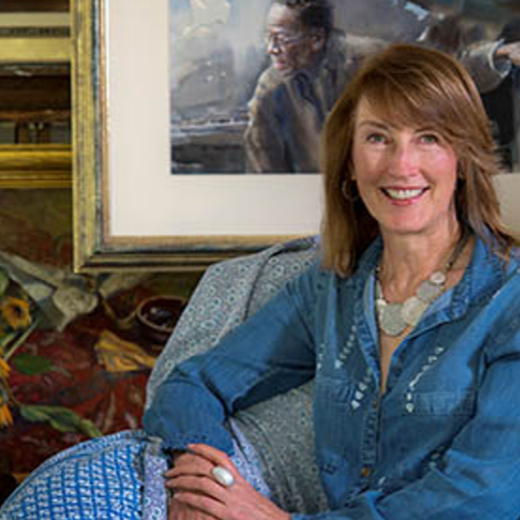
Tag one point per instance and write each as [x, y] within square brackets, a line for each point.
[404, 159]
[273, 47]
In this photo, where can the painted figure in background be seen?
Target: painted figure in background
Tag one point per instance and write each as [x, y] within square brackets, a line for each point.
[503, 106]
[311, 62]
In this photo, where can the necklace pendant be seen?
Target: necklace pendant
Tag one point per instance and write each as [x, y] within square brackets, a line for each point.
[380, 304]
[394, 318]
[391, 321]
[413, 309]
[428, 291]
[438, 278]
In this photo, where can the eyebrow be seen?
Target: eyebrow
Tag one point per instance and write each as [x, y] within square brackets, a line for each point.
[377, 124]
[387, 126]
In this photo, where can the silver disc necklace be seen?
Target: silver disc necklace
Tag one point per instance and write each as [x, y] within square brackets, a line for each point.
[394, 318]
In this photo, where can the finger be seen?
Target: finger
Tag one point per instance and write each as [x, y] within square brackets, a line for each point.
[212, 454]
[193, 482]
[201, 486]
[190, 464]
[180, 511]
[202, 503]
[216, 458]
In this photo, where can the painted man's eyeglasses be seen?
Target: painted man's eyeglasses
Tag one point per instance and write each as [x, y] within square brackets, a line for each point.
[281, 40]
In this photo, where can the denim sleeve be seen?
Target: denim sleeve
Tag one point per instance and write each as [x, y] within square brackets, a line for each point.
[270, 353]
[479, 474]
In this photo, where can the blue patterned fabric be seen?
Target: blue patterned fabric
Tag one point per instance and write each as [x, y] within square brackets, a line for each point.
[117, 477]
[98, 479]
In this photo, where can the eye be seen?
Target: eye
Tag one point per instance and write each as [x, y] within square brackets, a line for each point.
[376, 138]
[282, 39]
[429, 139]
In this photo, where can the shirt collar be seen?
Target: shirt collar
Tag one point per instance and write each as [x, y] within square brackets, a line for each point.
[485, 273]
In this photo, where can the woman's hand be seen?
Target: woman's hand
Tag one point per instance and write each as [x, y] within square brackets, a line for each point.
[180, 511]
[197, 493]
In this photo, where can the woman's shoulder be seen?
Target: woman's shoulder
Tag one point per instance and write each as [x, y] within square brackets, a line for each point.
[488, 252]
[312, 281]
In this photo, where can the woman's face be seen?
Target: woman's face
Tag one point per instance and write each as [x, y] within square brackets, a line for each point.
[406, 176]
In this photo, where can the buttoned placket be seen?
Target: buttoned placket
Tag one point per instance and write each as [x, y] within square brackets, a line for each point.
[369, 344]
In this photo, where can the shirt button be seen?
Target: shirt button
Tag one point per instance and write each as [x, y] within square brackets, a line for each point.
[375, 404]
[365, 471]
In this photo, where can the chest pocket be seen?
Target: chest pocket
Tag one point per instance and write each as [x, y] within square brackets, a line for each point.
[454, 403]
[334, 421]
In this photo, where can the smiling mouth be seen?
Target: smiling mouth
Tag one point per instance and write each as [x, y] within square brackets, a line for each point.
[402, 195]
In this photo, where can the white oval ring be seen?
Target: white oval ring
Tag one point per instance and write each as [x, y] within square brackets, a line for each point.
[223, 476]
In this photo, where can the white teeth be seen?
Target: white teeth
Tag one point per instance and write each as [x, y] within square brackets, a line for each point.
[403, 194]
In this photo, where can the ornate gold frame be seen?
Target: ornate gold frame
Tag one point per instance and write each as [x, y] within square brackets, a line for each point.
[88, 103]
[35, 166]
[35, 50]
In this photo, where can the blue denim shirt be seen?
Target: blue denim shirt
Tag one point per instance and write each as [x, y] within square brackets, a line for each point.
[443, 442]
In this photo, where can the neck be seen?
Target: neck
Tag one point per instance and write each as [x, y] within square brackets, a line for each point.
[407, 261]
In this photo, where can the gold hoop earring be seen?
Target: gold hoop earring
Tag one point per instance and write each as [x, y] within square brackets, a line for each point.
[347, 193]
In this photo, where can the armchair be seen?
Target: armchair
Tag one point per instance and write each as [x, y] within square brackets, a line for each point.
[279, 429]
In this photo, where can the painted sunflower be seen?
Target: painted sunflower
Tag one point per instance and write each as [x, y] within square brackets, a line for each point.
[16, 312]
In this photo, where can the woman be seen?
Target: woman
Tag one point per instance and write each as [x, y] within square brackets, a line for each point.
[409, 325]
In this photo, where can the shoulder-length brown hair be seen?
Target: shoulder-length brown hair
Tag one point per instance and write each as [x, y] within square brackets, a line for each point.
[414, 86]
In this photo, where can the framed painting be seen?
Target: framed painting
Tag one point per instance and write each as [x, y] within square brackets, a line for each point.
[35, 149]
[179, 164]
[130, 212]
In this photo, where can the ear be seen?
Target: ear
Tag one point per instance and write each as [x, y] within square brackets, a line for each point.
[318, 41]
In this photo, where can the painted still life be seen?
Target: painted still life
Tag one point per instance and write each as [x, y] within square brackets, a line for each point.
[251, 83]
[76, 351]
